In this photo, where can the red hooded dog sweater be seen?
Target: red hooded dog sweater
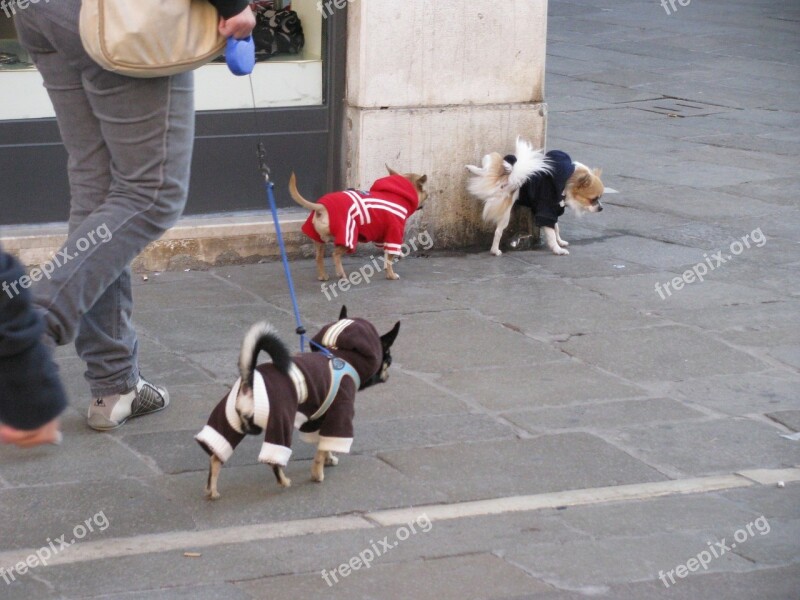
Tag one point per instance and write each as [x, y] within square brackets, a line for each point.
[377, 216]
[283, 402]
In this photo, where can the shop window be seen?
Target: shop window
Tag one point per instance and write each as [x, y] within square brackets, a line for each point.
[291, 77]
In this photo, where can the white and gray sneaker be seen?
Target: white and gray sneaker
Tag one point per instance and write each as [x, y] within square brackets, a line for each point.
[110, 412]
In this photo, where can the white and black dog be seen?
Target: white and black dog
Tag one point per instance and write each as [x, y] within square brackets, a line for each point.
[545, 183]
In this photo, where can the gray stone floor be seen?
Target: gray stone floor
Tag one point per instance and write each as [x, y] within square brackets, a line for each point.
[525, 374]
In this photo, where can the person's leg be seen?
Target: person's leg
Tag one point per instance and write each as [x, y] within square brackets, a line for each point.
[129, 143]
[106, 340]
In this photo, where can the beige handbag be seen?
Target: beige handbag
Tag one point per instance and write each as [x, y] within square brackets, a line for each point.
[150, 38]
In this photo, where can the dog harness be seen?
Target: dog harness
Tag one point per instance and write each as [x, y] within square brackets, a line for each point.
[377, 216]
[316, 396]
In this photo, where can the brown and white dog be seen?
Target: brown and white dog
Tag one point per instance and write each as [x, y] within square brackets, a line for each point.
[352, 216]
[545, 183]
[313, 392]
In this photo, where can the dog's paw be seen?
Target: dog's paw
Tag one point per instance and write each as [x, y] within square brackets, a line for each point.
[319, 477]
[497, 252]
[286, 483]
[392, 276]
[323, 277]
[331, 460]
[560, 252]
[563, 243]
[212, 495]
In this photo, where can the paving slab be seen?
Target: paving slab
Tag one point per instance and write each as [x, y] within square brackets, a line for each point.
[668, 353]
[772, 542]
[789, 418]
[709, 514]
[555, 384]
[765, 584]
[250, 494]
[737, 396]
[456, 578]
[608, 415]
[461, 341]
[85, 457]
[779, 504]
[32, 515]
[546, 307]
[591, 566]
[721, 446]
[201, 592]
[544, 464]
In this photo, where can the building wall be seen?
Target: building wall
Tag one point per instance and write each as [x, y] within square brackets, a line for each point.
[434, 86]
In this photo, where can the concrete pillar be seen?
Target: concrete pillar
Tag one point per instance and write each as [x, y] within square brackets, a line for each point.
[433, 86]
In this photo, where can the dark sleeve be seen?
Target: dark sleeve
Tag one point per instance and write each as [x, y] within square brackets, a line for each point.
[548, 207]
[31, 394]
[229, 8]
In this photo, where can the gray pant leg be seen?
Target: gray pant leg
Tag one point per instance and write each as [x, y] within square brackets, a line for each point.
[130, 143]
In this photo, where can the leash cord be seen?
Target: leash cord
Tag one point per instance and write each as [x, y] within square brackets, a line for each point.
[301, 331]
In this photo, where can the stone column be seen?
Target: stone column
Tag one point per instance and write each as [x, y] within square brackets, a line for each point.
[433, 86]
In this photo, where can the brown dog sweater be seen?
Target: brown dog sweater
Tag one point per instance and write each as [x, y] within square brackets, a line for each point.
[284, 402]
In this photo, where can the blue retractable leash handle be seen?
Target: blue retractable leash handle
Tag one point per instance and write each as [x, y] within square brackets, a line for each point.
[241, 55]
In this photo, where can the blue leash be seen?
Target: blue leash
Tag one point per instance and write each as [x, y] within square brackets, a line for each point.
[301, 331]
[241, 59]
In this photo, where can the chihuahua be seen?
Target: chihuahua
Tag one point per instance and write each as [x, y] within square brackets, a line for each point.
[378, 216]
[544, 183]
[313, 392]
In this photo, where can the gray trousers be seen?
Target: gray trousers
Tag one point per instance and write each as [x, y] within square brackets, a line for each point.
[129, 143]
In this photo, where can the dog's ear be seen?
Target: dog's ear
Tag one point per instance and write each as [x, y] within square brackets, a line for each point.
[584, 181]
[388, 339]
[422, 180]
[391, 170]
[343, 313]
[597, 172]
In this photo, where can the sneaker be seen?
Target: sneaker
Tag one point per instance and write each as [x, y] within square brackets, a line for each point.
[109, 412]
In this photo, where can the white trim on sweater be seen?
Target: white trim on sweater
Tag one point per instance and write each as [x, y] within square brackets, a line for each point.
[300, 384]
[274, 455]
[332, 444]
[215, 442]
[230, 408]
[260, 401]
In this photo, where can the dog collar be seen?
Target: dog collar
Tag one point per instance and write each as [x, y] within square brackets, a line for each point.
[339, 370]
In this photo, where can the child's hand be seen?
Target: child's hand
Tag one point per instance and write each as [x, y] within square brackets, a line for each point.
[48, 434]
[238, 26]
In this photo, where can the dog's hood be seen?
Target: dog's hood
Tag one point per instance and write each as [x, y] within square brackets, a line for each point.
[401, 190]
[356, 341]
[562, 168]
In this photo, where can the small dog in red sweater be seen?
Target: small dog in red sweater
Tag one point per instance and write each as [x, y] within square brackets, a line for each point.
[352, 216]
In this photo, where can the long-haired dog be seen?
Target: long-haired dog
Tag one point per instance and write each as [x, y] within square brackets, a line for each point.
[352, 216]
[313, 392]
[545, 183]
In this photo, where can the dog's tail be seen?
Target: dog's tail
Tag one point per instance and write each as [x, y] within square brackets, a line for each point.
[297, 197]
[529, 162]
[262, 336]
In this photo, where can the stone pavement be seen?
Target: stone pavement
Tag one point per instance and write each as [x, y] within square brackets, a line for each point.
[528, 375]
